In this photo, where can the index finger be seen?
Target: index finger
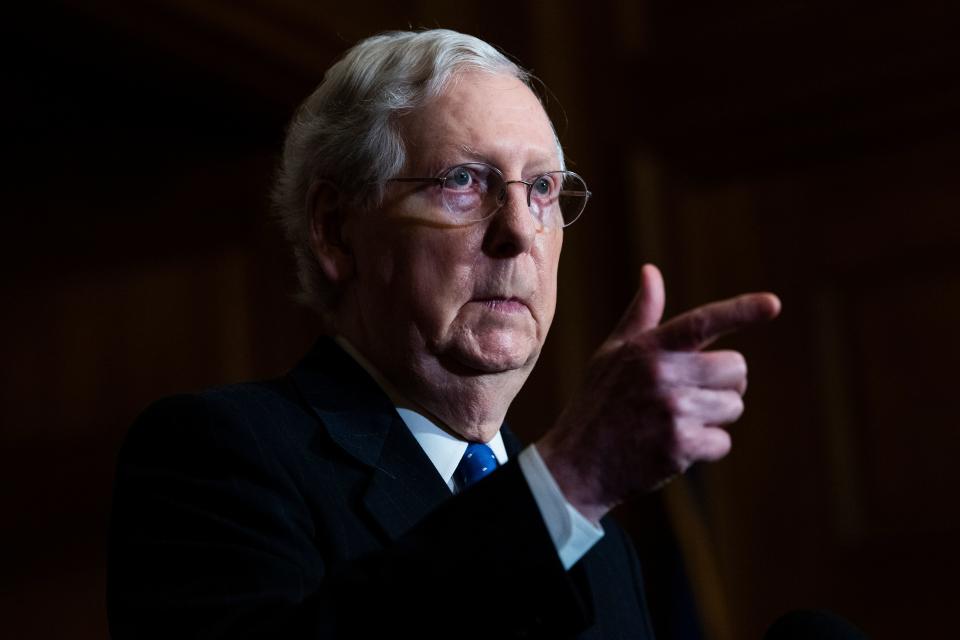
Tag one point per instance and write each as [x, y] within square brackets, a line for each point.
[698, 327]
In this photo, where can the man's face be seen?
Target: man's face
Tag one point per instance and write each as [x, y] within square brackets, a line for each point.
[470, 299]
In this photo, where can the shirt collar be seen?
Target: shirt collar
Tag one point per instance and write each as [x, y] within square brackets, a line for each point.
[444, 449]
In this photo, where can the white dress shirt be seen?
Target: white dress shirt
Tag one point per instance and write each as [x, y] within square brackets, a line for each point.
[572, 534]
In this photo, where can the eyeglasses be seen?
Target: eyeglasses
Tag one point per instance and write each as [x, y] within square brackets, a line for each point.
[475, 191]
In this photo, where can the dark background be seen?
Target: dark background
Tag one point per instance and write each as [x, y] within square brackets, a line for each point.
[809, 148]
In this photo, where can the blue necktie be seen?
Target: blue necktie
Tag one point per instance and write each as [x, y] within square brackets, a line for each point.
[477, 462]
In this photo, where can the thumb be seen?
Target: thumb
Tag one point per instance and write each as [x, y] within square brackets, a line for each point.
[646, 309]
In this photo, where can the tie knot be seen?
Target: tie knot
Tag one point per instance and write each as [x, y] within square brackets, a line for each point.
[477, 462]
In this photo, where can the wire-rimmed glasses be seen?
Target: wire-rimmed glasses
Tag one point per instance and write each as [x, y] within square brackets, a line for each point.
[474, 191]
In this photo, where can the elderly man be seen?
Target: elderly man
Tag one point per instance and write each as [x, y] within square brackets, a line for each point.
[374, 490]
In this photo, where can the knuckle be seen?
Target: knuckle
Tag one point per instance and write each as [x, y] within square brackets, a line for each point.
[729, 364]
[737, 406]
[729, 408]
[657, 370]
[674, 400]
[648, 365]
[686, 439]
[739, 364]
[687, 445]
[712, 365]
[719, 446]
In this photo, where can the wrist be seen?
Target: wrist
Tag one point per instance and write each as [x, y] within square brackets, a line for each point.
[579, 487]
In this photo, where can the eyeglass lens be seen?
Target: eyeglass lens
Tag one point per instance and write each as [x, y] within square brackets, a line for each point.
[474, 191]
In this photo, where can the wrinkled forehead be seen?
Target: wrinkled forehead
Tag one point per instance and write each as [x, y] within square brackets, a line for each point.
[481, 117]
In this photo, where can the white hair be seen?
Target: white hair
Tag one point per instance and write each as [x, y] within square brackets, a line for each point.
[347, 130]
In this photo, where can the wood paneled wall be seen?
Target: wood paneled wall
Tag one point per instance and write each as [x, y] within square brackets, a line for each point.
[804, 147]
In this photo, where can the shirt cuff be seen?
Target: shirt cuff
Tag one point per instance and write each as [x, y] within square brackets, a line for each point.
[572, 534]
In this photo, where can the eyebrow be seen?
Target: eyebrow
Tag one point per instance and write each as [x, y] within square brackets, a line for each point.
[471, 154]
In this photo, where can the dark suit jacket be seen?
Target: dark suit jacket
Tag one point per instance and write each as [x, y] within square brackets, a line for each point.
[304, 508]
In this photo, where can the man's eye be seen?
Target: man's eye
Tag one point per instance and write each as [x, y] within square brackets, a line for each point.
[543, 186]
[460, 178]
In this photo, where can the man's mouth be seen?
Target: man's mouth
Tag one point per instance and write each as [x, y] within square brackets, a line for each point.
[503, 304]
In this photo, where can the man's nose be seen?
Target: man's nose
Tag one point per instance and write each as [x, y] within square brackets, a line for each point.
[512, 227]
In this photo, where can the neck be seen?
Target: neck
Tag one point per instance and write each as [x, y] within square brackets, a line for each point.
[471, 407]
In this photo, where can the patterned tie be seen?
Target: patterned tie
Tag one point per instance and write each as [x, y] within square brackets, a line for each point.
[477, 462]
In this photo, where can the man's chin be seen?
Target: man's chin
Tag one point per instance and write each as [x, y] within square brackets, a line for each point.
[480, 359]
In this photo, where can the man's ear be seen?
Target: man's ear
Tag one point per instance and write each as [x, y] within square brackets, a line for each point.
[326, 208]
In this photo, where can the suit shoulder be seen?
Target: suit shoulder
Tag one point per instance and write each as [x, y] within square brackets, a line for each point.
[254, 414]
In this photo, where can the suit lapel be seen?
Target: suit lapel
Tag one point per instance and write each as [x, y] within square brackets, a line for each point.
[359, 418]
[510, 442]
[405, 486]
